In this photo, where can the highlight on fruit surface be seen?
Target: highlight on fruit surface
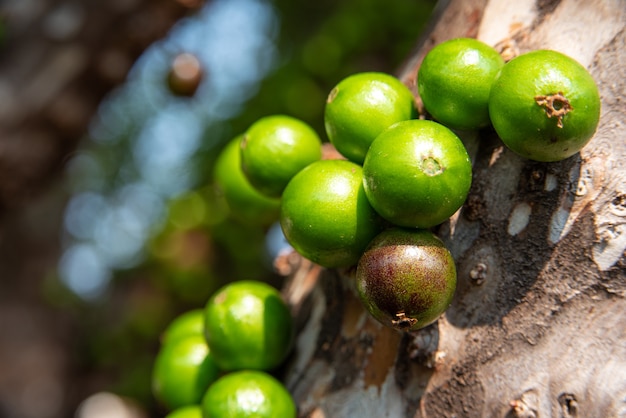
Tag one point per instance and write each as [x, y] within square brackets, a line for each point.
[248, 393]
[406, 278]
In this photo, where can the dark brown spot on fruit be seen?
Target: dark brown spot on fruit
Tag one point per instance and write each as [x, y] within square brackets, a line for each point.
[555, 105]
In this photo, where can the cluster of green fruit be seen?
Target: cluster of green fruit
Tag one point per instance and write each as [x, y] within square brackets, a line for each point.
[217, 361]
[543, 105]
[399, 175]
[330, 210]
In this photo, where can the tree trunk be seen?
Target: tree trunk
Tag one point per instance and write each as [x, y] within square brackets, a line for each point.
[537, 326]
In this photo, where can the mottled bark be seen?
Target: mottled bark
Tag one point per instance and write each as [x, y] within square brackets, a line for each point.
[537, 326]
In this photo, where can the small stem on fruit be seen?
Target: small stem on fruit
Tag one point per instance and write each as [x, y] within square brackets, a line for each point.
[508, 49]
[555, 105]
[431, 166]
[402, 321]
[332, 95]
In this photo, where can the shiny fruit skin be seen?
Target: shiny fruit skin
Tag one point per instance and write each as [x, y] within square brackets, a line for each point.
[406, 278]
[523, 123]
[363, 105]
[274, 149]
[417, 174]
[183, 370]
[187, 323]
[246, 204]
[248, 394]
[248, 326]
[325, 214]
[454, 81]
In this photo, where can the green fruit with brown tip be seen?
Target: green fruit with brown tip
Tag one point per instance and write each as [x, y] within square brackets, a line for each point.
[544, 105]
[417, 174]
[406, 278]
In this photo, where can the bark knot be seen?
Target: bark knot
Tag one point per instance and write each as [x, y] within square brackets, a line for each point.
[478, 274]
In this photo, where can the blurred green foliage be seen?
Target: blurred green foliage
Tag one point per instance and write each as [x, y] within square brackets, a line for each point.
[323, 42]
